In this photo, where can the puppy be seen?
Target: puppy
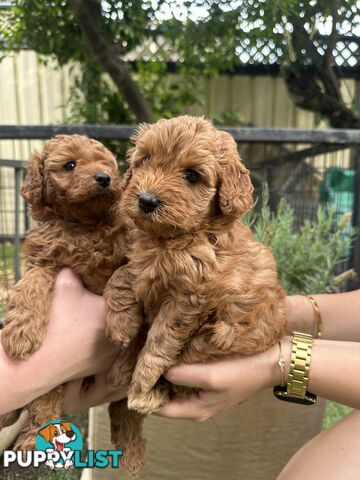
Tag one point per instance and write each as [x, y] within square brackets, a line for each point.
[58, 434]
[204, 287]
[72, 186]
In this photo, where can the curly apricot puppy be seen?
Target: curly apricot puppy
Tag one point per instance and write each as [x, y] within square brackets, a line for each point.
[206, 288]
[72, 186]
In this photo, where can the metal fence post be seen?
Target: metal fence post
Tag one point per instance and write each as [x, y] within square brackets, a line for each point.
[272, 192]
[355, 250]
[18, 180]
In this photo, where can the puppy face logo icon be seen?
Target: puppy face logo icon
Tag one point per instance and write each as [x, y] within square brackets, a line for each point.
[59, 434]
[59, 446]
[59, 440]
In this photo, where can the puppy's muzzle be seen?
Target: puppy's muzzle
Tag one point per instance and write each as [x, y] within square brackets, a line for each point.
[148, 202]
[103, 179]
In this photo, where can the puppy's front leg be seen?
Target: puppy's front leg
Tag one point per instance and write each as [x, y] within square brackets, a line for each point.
[124, 318]
[171, 328]
[28, 315]
[126, 435]
[42, 410]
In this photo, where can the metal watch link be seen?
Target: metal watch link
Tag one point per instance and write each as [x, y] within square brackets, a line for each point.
[296, 389]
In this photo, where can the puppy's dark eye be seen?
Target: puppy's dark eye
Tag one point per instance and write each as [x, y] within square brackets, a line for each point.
[191, 175]
[70, 165]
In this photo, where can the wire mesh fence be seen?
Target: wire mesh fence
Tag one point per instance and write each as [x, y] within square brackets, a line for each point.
[307, 168]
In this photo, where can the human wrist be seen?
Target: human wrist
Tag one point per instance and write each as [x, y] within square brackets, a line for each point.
[270, 359]
[301, 317]
[23, 380]
[44, 379]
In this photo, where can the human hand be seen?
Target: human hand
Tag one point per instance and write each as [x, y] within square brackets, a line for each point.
[79, 397]
[222, 384]
[75, 346]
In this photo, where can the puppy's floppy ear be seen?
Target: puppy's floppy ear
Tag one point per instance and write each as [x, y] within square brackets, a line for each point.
[66, 425]
[135, 137]
[33, 187]
[235, 190]
[47, 432]
[127, 177]
[139, 132]
[128, 174]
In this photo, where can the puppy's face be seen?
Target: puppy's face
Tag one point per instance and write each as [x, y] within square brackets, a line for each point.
[73, 176]
[184, 176]
[58, 434]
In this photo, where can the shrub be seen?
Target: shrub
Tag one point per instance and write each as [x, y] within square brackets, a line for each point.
[306, 257]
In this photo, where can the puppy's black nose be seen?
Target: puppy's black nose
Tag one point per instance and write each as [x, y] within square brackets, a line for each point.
[148, 202]
[69, 433]
[102, 179]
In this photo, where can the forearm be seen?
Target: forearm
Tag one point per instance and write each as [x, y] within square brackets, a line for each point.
[333, 371]
[22, 381]
[75, 346]
[222, 384]
[340, 314]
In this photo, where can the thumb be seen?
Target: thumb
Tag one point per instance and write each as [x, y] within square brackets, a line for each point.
[195, 375]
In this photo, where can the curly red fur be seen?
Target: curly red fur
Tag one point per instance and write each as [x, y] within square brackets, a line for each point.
[206, 288]
[78, 228]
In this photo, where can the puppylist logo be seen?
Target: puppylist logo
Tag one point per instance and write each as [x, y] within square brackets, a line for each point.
[58, 446]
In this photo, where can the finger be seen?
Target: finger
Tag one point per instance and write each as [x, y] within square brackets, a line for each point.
[99, 391]
[116, 395]
[195, 375]
[72, 394]
[89, 395]
[190, 408]
[99, 388]
[67, 278]
[73, 388]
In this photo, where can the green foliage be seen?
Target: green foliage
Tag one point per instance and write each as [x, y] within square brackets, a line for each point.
[333, 413]
[49, 28]
[305, 258]
[210, 39]
[204, 35]
[228, 118]
[94, 99]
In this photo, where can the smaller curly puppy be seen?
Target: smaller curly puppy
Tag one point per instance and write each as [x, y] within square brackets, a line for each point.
[203, 287]
[72, 186]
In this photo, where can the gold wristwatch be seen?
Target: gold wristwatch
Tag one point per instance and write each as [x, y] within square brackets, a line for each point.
[296, 389]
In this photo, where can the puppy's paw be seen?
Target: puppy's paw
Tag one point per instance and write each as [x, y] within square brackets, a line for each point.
[9, 418]
[68, 464]
[117, 336]
[120, 328]
[26, 441]
[224, 335]
[18, 342]
[149, 402]
[133, 458]
[50, 464]
[118, 379]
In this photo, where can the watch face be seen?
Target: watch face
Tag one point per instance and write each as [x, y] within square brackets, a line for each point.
[281, 393]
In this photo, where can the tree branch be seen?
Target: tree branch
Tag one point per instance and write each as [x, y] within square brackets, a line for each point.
[107, 55]
[333, 37]
[317, 88]
[301, 40]
[304, 88]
